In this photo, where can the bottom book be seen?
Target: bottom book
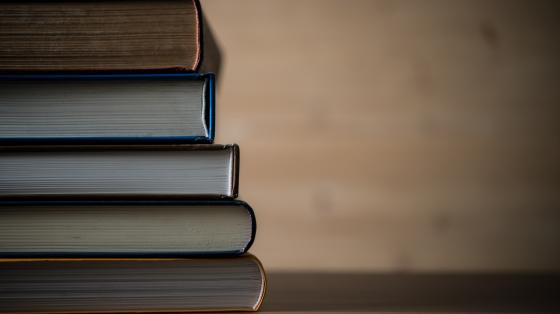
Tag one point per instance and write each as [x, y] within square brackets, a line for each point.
[102, 285]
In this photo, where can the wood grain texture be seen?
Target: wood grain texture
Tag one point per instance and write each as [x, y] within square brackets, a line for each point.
[395, 135]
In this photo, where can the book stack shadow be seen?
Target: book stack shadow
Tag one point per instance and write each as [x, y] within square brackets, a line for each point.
[113, 197]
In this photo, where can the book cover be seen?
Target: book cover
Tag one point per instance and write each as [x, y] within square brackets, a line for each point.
[114, 108]
[125, 36]
[100, 228]
[119, 172]
[133, 285]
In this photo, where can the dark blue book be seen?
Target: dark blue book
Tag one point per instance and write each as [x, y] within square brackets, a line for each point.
[124, 108]
[125, 228]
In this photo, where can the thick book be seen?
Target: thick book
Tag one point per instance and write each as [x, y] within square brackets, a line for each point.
[125, 35]
[125, 228]
[118, 108]
[131, 285]
[119, 171]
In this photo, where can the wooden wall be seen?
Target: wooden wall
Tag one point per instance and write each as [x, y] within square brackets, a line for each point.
[395, 135]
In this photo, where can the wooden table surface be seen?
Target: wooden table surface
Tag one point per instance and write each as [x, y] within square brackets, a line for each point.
[408, 292]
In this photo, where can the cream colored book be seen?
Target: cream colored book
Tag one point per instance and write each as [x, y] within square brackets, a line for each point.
[125, 228]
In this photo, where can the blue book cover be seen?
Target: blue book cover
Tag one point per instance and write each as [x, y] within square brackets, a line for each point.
[94, 108]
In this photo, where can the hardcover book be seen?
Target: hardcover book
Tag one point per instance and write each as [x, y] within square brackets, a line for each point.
[125, 229]
[117, 108]
[119, 172]
[130, 285]
[126, 35]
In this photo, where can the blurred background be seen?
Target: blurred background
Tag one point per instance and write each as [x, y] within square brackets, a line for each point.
[395, 135]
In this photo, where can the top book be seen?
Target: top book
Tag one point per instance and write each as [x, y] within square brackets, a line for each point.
[116, 36]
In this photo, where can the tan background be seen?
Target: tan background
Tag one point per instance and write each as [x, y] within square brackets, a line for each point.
[395, 135]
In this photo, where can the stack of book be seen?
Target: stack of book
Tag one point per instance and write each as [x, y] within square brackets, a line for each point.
[112, 196]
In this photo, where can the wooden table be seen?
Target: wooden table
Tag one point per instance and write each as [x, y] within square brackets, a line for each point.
[408, 292]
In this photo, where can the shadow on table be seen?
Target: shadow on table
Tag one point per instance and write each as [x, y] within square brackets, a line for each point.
[413, 292]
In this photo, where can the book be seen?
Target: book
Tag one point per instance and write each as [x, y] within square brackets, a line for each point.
[125, 229]
[126, 35]
[107, 108]
[130, 285]
[119, 171]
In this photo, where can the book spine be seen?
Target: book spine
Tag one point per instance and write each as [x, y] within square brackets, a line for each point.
[211, 108]
[235, 168]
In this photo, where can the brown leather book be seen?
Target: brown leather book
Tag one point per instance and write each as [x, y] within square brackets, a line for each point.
[93, 36]
[138, 285]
